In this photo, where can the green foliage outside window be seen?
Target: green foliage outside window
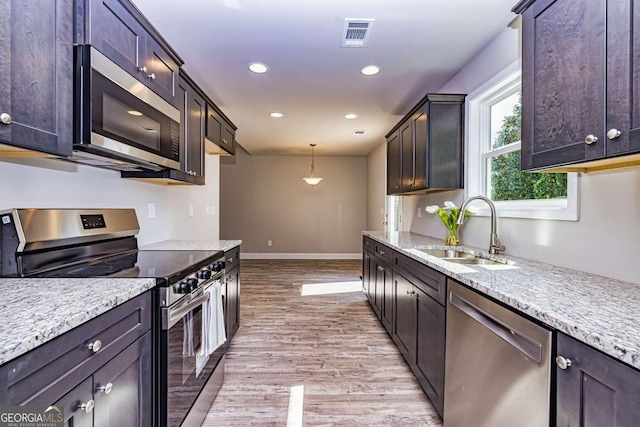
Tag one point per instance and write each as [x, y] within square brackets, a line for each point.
[508, 182]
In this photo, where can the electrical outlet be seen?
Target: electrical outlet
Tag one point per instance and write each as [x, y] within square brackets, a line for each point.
[151, 207]
[190, 210]
[419, 212]
[213, 209]
[269, 243]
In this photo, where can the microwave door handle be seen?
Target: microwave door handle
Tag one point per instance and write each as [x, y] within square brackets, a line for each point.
[173, 316]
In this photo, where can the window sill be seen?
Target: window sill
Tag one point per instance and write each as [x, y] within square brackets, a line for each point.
[548, 209]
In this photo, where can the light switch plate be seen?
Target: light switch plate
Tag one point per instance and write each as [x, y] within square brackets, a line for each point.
[419, 212]
[190, 210]
[151, 207]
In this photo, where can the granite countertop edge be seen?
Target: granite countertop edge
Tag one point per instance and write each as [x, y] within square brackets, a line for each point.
[577, 307]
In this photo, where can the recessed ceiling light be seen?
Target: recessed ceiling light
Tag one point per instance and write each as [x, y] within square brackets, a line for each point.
[134, 113]
[258, 67]
[350, 116]
[276, 115]
[370, 70]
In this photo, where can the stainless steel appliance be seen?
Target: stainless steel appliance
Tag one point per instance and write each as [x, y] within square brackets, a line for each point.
[119, 122]
[497, 370]
[62, 243]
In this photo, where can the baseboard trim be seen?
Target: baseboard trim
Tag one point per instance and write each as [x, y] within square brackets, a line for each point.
[272, 255]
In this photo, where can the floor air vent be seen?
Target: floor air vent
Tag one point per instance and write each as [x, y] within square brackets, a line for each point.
[356, 32]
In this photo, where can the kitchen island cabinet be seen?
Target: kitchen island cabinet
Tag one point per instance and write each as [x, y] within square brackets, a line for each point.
[104, 364]
[580, 103]
[36, 76]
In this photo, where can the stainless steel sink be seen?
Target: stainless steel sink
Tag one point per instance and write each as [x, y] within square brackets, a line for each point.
[459, 257]
[447, 253]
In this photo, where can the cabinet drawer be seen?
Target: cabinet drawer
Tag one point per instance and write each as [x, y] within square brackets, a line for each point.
[383, 252]
[43, 375]
[367, 243]
[432, 282]
[231, 258]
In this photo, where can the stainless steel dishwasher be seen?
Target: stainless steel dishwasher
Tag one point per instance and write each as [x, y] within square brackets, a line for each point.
[497, 370]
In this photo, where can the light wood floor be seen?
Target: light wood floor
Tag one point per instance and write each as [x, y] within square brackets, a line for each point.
[332, 344]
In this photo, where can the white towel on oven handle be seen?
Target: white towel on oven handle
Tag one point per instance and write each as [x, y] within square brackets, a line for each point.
[213, 333]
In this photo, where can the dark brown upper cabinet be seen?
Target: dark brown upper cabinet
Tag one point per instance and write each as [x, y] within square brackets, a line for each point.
[220, 134]
[580, 86]
[118, 30]
[425, 150]
[36, 76]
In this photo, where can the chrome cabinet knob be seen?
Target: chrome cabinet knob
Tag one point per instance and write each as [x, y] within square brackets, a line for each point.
[382, 252]
[151, 76]
[613, 133]
[590, 139]
[87, 407]
[380, 268]
[562, 362]
[143, 69]
[5, 118]
[95, 346]
[106, 389]
[229, 259]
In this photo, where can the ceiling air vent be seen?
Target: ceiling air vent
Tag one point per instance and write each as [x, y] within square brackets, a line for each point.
[356, 32]
[358, 132]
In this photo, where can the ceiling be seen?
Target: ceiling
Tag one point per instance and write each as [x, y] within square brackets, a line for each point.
[418, 45]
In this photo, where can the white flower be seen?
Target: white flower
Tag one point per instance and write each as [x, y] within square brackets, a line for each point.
[473, 210]
[433, 209]
[449, 205]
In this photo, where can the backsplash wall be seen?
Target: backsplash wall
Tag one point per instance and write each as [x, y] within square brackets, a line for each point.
[44, 183]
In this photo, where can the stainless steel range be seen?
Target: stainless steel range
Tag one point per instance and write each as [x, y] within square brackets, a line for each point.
[189, 336]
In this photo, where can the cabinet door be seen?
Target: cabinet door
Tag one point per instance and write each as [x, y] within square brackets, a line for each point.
[430, 344]
[404, 324]
[445, 142]
[118, 35]
[162, 71]
[563, 81]
[228, 138]
[36, 75]
[214, 125]
[371, 283]
[595, 390]
[394, 165]
[123, 387]
[623, 78]
[233, 302]
[70, 404]
[366, 265]
[194, 122]
[421, 142]
[408, 155]
[386, 304]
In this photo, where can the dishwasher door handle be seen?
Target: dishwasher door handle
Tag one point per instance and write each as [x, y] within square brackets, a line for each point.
[524, 344]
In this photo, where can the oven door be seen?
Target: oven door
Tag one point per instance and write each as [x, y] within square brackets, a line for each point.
[124, 117]
[185, 367]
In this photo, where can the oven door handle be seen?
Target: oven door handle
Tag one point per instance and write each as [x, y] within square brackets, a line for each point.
[172, 316]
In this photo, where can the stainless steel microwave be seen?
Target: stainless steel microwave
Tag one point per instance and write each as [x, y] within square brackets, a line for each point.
[119, 122]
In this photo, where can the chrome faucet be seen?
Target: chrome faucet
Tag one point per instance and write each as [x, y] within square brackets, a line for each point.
[494, 245]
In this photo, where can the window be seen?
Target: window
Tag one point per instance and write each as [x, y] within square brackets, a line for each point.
[393, 221]
[494, 112]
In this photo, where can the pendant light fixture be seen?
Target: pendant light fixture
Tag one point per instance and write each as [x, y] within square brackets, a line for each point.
[312, 179]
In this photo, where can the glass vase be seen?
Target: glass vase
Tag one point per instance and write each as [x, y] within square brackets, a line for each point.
[452, 238]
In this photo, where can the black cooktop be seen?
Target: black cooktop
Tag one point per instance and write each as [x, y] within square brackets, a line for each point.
[167, 267]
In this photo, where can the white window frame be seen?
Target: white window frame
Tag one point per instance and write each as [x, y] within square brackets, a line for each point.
[478, 113]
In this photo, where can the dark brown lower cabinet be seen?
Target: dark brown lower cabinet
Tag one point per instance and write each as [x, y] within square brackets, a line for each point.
[70, 405]
[595, 390]
[384, 292]
[419, 333]
[232, 316]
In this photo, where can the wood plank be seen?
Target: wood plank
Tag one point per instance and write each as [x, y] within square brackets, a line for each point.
[352, 373]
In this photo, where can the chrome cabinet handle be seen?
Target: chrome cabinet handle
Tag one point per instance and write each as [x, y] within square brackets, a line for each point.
[590, 139]
[143, 69]
[229, 259]
[562, 362]
[95, 346]
[613, 133]
[151, 76]
[380, 268]
[106, 389]
[224, 140]
[87, 407]
[5, 118]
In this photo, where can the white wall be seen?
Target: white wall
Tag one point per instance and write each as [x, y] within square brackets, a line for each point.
[605, 239]
[44, 183]
[376, 188]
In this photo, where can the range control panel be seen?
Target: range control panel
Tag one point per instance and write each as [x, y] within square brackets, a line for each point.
[89, 222]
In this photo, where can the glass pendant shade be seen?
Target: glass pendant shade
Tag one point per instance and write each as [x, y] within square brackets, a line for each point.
[312, 179]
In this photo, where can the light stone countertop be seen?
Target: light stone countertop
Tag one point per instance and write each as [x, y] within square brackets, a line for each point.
[599, 311]
[192, 245]
[35, 311]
